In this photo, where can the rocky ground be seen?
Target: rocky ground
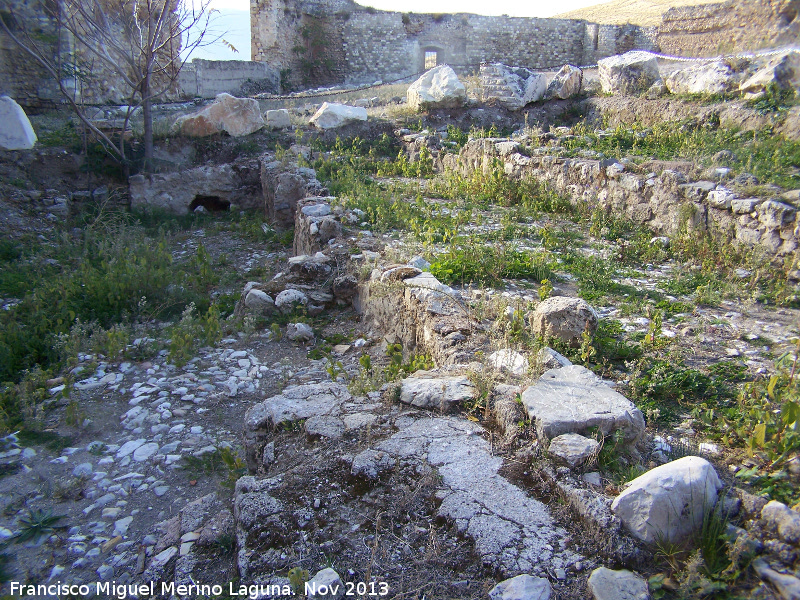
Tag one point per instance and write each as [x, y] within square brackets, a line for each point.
[360, 423]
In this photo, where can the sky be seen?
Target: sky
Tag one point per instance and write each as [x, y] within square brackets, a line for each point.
[232, 20]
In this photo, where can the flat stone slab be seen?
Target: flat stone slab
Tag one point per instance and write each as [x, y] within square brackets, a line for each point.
[297, 402]
[438, 394]
[572, 399]
[512, 531]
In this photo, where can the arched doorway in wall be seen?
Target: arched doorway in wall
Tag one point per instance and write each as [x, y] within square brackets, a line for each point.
[431, 59]
[431, 55]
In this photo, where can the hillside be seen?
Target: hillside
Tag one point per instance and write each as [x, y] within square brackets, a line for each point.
[637, 12]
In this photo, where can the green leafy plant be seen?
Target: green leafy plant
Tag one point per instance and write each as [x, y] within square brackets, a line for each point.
[298, 578]
[545, 289]
[39, 524]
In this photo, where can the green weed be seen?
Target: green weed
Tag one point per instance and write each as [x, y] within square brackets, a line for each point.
[38, 525]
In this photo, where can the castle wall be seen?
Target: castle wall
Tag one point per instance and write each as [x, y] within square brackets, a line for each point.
[87, 77]
[732, 26]
[340, 41]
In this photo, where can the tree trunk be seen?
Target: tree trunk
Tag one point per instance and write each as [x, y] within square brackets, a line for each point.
[147, 114]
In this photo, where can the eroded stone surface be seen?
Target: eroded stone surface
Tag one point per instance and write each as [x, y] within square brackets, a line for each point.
[512, 532]
[606, 584]
[669, 502]
[628, 73]
[573, 399]
[16, 132]
[439, 393]
[331, 115]
[564, 318]
[235, 116]
[572, 448]
[522, 587]
[438, 87]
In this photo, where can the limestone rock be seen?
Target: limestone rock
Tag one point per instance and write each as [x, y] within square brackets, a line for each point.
[779, 517]
[345, 286]
[573, 399]
[564, 318]
[287, 300]
[775, 214]
[299, 332]
[282, 187]
[438, 394]
[179, 192]
[217, 529]
[788, 586]
[159, 563]
[782, 70]
[332, 115]
[371, 464]
[744, 206]
[572, 448]
[511, 87]
[196, 512]
[628, 73]
[310, 268]
[314, 226]
[706, 78]
[721, 198]
[277, 119]
[522, 587]
[324, 426]
[550, 359]
[670, 501]
[566, 83]
[235, 116]
[437, 88]
[16, 132]
[509, 361]
[258, 301]
[399, 273]
[294, 403]
[325, 584]
[606, 584]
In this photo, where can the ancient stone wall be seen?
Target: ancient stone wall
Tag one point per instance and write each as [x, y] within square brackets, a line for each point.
[731, 26]
[340, 41]
[21, 77]
[31, 85]
[207, 78]
[664, 199]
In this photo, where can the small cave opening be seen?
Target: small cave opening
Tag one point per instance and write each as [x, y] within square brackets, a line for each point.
[210, 203]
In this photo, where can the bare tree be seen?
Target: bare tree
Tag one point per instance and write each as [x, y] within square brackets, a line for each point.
[138, 42]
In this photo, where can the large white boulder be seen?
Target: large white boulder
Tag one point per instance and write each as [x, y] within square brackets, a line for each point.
[437, 88]
[669, 502]
[290, 299]
[235, 116]
[572, 399]
[509, 361]
[628, 73]
[566, 83]
[782, 70]
[512, 87]
[707, 78]
[16, 132]
[522, 587]
[606, 584]
[277, 119]
[564, 318]
[331, 115]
